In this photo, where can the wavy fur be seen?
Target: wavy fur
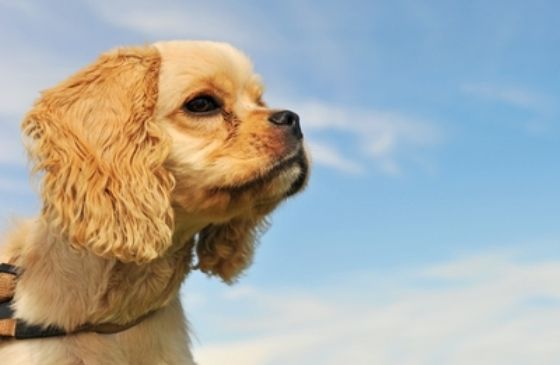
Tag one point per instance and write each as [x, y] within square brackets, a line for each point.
[101, 157]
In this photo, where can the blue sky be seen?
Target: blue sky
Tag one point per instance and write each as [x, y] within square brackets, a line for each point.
[429, 232]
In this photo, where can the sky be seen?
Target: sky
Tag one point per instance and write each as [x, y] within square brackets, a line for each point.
[429, 233]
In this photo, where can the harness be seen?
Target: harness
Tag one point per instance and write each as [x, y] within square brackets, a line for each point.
[14, 328]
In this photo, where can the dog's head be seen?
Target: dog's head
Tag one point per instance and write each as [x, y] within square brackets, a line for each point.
[147, 135]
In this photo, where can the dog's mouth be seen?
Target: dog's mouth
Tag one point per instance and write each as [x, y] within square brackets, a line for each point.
[292, 171]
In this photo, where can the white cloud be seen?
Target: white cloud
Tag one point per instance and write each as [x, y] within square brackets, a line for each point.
[326, 155]
[542, 108]
[515, 96]
[382, 137]
[176, 20]
[24, 7]
[487, 310]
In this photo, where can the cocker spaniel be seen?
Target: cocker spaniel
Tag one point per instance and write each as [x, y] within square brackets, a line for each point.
[153, 161]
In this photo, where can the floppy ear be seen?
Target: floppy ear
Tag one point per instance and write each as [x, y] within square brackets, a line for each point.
[101, 155]
[227, 249]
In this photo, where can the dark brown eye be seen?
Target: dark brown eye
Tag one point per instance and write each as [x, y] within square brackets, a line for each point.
[204, 104]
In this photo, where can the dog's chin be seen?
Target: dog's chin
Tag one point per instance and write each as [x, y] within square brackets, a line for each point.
[280, 180]
[293, 177]
[283, 178]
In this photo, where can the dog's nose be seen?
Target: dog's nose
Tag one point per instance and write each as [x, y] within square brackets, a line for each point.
[289, 119]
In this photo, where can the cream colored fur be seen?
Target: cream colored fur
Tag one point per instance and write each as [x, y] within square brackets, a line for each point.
[134, 191]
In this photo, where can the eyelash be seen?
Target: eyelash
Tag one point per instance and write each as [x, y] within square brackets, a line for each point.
[212, 105]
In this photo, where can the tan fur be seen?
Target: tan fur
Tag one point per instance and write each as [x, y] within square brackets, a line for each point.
[95, 139]
[132, 188]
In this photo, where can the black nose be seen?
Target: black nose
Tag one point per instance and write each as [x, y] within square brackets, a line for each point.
[287, 118]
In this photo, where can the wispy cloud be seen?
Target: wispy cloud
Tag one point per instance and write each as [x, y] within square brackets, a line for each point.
[486, 310]
[383, 138]
[24, 7]
[176, 20]
[511, 95]
[542, 109]
[326, 155]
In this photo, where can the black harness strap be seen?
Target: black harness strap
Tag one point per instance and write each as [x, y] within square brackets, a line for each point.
[11, 327]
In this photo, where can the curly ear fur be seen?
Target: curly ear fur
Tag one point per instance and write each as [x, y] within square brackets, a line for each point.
[227, 249]
[101, 156]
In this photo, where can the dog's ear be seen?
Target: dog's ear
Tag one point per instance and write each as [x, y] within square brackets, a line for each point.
[225, 250]
[94, 140]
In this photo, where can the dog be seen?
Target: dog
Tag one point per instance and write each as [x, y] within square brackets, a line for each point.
[153, 161]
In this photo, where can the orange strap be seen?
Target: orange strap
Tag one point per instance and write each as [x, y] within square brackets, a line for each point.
[8, 278]
[7, 286]
[8, 327]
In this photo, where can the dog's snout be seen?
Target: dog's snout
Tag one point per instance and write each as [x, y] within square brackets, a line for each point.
[287, 118]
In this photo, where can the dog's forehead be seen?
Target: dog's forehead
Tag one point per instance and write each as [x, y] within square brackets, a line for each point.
[185, 64]
[204, 54]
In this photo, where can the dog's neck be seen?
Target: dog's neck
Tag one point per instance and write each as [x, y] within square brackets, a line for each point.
[67, 288]
[186, 226]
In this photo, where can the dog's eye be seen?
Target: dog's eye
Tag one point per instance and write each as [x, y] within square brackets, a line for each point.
[204, 104]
